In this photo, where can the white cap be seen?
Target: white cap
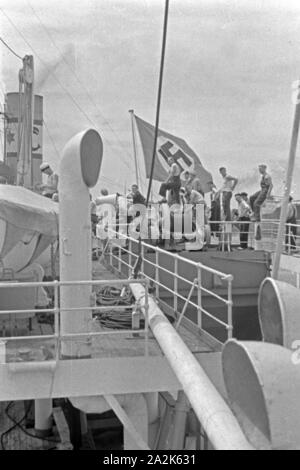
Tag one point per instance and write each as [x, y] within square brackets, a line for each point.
[44, 166]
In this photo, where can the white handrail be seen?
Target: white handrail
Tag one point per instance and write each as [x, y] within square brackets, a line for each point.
[214, 414]
[199, 268]
[57, 310]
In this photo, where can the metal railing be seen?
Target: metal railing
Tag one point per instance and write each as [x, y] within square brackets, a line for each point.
[291, 242]
[244, 234]
[170, 282]
[226, 234]
[58, 337]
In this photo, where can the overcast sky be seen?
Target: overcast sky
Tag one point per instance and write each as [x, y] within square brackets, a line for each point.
[227, 84]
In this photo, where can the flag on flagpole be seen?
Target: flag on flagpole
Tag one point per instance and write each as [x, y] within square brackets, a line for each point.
[169, 145]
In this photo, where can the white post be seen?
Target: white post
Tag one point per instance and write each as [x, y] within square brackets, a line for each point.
[79, 170]
[129, 257]
[175, 304]
[2, 351]
[42, 417]
[288, 182]
[199, 299]
[179, 422]
[153, 417]
[229, 308]
[157, 274]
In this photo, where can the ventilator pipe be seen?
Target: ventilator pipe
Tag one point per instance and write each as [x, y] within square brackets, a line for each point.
[263, 383]
[214, 414]
[79, 170]
[278, 308]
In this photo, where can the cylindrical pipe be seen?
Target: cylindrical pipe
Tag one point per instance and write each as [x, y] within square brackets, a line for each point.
[79, 170]
[262, 383]
[42, 417]
[153, 417]
[214, 414]
[179, 422]
[2, 351]
[278, 312]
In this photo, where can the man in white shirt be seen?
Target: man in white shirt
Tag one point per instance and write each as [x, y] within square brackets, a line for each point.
[257, 199]
[193, 197]
[229, 184]
[244, 211]
[50, 188]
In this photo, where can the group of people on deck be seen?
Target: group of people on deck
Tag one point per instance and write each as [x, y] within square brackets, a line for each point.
[186, 188]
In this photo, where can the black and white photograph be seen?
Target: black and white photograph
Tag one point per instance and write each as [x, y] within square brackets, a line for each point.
[149, 235]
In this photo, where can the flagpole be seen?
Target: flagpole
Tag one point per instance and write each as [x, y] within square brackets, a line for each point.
[131, 111]
[289, 178]
[162, 61]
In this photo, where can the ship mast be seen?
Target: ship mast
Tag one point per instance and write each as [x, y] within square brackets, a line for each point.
[25, 123]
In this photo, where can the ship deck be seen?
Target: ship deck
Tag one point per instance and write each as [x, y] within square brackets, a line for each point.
[108, 345]
[128, 346]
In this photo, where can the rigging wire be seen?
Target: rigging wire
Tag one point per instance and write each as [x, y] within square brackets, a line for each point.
[11, 50]
[51, 138]
[48, 70]
[138, 264]
[58, 81]
[55, 77]
[79, 81]
[15, 425]
[111, 181]
[18, 424]
[163, 52]
[8, 112]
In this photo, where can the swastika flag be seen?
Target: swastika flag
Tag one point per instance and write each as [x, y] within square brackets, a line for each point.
[168, 146]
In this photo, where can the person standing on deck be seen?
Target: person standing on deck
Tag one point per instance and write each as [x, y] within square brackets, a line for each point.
[244, 211]
[172, 184]
[50, 187]
[257, 199]
[291, 230]
[229, 184]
